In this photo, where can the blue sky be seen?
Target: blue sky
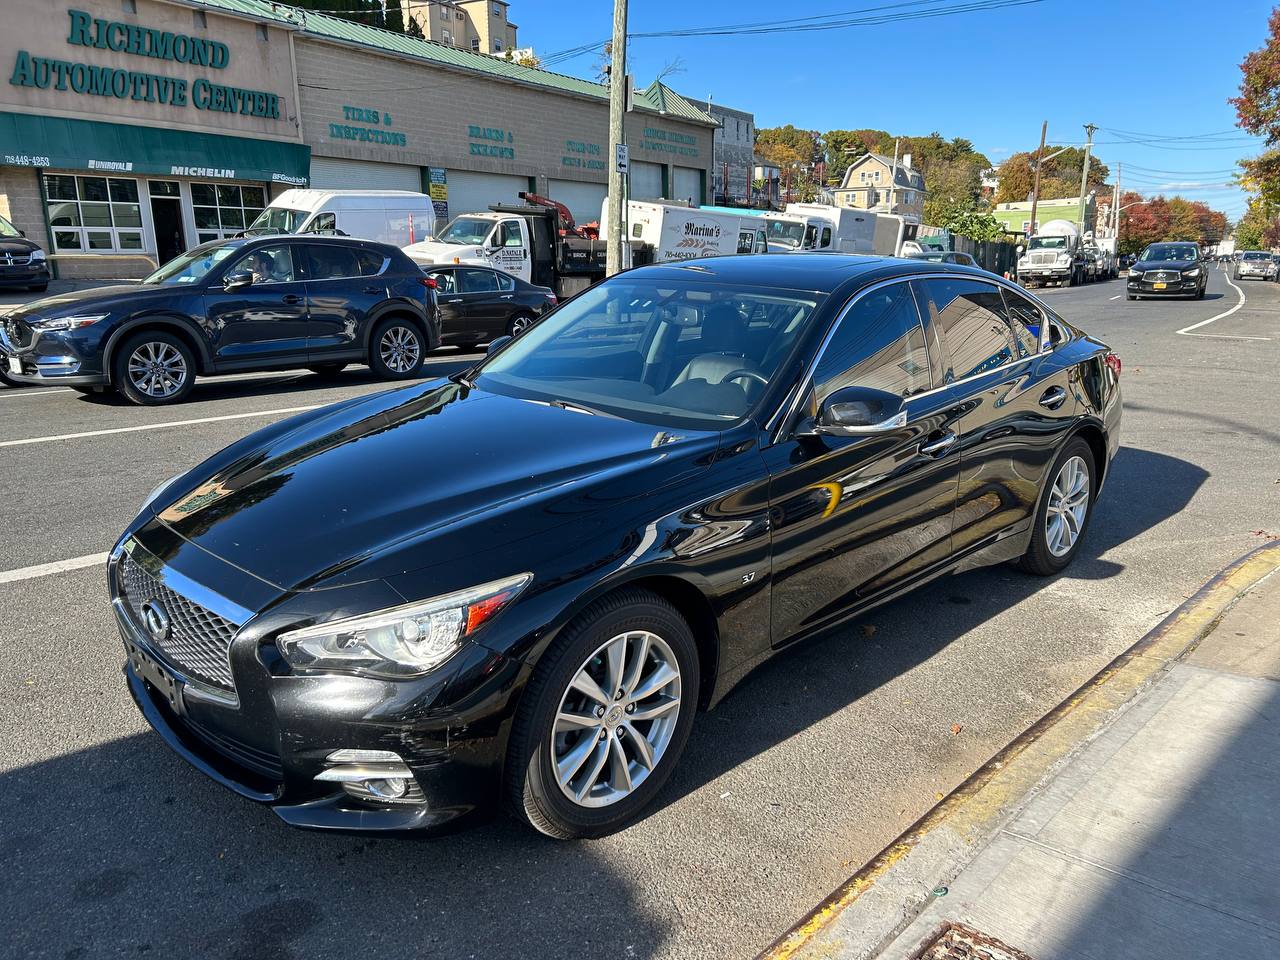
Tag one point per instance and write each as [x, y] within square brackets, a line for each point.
[1163, 67]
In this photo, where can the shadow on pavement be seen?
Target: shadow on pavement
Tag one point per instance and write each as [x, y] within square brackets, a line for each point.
[124, 850]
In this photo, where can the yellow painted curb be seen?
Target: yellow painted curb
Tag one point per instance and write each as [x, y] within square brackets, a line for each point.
[972, 808]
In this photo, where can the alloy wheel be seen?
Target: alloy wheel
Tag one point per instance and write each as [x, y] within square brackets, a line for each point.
[157, 369]
[1068, 506]
[520, 324]
[399, 349]
[616, 719]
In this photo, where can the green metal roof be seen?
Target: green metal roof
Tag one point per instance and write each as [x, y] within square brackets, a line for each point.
[656, 98]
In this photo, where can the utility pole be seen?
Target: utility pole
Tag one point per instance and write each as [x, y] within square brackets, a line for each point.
[1115, 209]
[1089, 128]
[1035, 189]
[617, 114]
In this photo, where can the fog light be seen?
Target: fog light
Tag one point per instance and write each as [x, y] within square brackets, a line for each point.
[379, 776]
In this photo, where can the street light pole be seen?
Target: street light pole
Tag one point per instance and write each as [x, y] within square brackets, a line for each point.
[617, 113]
[1089, 128]
[1035, 189]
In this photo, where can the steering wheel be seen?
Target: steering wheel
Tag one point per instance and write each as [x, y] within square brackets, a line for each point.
[742, 372]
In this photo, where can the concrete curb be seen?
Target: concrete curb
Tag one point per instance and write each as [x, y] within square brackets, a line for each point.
[891, 889]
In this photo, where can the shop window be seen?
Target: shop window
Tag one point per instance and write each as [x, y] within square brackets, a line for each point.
[98, 214]
[222, 210]
[200, 20]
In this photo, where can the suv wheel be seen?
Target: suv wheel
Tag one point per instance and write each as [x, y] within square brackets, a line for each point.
[604, 718]
[1064, 512]
[396, 349]
[153, 368]
[520, 323]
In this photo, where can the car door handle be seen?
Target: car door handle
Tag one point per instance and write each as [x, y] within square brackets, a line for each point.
[372, 289]
[507, 296]
[936, 448]
[292, 298]
[1053, 398]
[454, 300]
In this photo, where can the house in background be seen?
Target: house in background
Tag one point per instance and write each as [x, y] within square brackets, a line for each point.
[870, 184]
[480, 26]
[766, 180]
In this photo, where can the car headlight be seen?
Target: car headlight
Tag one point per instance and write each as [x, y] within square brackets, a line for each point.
[69, 323]
[37, 255]
[404, 641]
[1135, 272]
[1193, 272]
[1064, 258]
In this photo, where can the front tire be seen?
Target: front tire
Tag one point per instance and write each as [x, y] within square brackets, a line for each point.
[154, 368]
[396, 349]
[604, 718]
[1062, 518]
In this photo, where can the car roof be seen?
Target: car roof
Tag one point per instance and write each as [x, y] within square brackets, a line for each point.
[817, 272]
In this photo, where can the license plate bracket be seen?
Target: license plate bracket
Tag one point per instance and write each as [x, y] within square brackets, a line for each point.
[151, 670]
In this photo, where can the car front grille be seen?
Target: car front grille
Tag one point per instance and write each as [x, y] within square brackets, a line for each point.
[198, 640]
[15, 259]
[1161, 276]
[1043, 259]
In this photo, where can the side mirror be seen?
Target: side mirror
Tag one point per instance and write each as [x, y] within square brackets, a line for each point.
[496, 345]
[237, 280]
[856, 411]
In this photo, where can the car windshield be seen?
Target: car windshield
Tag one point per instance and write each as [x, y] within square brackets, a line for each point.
[1048, 243]
[277, 220]
[1255, 255]
[1169, 251]
[192, 266]
[467, 230]
[672, 353]
[785, 232]
[7, 229]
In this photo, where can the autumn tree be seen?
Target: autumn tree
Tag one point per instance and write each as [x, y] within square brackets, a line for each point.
[1059, 176]
[1258, 111]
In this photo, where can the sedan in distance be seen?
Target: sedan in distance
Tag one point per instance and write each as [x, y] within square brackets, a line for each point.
[519, 586]
[480, 304]
[944, 256]
[265, 303]
[1168, 270]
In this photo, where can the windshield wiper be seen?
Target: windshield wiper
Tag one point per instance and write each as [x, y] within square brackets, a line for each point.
[575, 407]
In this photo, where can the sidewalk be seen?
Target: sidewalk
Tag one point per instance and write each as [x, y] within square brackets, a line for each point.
[1156, 838]
[13, 297]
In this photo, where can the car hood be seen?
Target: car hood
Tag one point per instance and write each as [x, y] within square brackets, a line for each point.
[18, 246]
[95, 298]
[1163, 265]
[418, 477]
[435, 251]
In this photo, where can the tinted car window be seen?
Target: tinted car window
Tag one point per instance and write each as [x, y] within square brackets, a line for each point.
[505, 281]
[479, 281]
[267, 264]
[879, 344]
[1026, 319]
[330, 262]
[370, 262]
[970, 317]
[446, 281]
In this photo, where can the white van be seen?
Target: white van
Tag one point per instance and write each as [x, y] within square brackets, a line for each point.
[397, 217]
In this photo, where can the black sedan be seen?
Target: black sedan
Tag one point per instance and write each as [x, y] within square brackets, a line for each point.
[519, 585]
[480, 304]
[23, 262]
[267, 303]
[1168, 270]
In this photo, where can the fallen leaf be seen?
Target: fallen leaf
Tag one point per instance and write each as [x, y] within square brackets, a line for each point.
[955, 729]
[868, 629]
[937, 796]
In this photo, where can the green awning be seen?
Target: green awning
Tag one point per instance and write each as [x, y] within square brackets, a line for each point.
[61, 144]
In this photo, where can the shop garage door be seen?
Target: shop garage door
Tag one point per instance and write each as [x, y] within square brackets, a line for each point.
[646, 180]
[332, 174]
[687, 184]
[584, 200]
[470, 192]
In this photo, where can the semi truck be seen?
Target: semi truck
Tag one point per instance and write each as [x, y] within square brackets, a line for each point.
[1055, 254]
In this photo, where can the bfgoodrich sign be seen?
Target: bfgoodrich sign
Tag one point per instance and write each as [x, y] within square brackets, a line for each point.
[165, 64]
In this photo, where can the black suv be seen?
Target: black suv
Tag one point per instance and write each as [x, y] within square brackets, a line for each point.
[233, 305]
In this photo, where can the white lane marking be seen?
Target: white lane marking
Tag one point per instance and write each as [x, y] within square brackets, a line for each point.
[1116, 297]
[155, 426]
[58, 566]
[1186, 331]
[12, 392]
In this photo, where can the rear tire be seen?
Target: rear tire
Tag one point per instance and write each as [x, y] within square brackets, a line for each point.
[1066, 507]
[396, 349]
[520, 323]
[629, 640]
[154, 368]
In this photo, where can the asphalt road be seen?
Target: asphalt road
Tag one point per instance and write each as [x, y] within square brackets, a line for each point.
[110, 846]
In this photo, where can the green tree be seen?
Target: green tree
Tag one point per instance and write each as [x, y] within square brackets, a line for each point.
[978, 226]
[1059, 177]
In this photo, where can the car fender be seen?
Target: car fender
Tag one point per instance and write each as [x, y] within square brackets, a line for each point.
[163, 320]
[400, 305]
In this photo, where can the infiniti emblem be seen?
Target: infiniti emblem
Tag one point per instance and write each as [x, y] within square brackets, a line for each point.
[155, 620]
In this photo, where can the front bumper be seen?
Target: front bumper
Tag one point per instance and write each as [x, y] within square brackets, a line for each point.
[1255, 275]
[1171, 288]
[54, 357]
[271, 737]
[24, 275]
[1044, 273]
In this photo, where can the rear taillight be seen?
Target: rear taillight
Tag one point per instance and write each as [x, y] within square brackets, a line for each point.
[1112, 361]
[551, 299]
[429, 282]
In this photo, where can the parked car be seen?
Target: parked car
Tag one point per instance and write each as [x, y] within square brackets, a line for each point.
[944, 256]
[1168, 270]
[230, 306]
[1255, 265]
[480, 304]
[1092, 266]
[520, 584]
[22, 261]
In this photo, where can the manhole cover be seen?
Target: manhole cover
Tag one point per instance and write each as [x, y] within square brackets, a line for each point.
[958, 942]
